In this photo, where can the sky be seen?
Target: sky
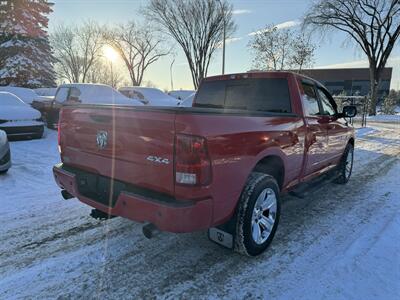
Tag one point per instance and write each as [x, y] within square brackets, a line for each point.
[250, 16]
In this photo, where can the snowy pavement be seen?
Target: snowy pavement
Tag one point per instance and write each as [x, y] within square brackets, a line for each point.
[340, 242]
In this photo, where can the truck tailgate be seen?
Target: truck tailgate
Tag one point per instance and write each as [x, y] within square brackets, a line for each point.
[127, 144]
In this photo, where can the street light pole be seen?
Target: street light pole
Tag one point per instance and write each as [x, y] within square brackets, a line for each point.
[223, 48]
[223, 37]
[170, 74]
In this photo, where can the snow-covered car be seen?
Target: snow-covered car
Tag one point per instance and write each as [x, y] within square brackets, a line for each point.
[46, 92]
[5, 154]
[18, 119]
[181, 94]
[188, 102]
[87, 93]
[25, 94]
[80, 93]
[149, 96]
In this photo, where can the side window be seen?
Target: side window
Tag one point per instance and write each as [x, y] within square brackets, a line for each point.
[137, 95]
[62, 95]
[126, 93]
[310, 100]
[74, 95]
[327, 108]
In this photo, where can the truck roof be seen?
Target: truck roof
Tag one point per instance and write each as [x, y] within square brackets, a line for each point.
[262, 74]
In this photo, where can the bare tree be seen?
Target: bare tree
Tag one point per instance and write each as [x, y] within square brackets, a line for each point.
[138, 46]
[302, 52]
[373, 24]
[76, 49]
[281, 49]
[197, 26]
[106, 73]
[271, 47]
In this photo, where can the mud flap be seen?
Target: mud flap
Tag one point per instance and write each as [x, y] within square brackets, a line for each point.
[221, 237]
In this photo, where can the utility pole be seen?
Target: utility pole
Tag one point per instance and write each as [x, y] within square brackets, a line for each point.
[223, 37]
[170, 74]
[223, 47]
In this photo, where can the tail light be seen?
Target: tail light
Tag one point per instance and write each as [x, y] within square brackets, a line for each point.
[192, 162]
[59, 131]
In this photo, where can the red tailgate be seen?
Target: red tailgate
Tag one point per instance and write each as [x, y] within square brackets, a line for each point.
[123, 143]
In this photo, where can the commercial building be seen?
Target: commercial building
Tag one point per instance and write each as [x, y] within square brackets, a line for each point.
[351, 81]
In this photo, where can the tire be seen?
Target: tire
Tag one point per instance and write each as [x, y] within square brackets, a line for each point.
[3, 172]
[345, 166]
[248, 214]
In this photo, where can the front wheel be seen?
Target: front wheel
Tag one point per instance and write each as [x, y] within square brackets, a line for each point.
[258, 214]
[345, 167]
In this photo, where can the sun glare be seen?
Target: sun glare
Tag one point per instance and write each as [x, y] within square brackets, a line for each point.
[110, 53]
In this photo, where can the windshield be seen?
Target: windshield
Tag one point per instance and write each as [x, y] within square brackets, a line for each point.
[7, 99]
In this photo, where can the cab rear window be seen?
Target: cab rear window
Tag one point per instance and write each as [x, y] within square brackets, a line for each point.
[252, 94]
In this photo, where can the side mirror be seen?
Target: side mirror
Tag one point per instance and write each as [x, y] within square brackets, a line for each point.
[349, 111]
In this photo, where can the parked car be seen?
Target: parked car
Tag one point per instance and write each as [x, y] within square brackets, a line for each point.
[181, 94]
[220, 165]
[25, 94]
[80, 93]
[47, 92]
[18, 119]
[188, 102]
[149, 96]
[5, 153]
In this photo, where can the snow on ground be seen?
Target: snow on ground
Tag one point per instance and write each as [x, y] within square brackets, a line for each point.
[340, 242]
[384, 118]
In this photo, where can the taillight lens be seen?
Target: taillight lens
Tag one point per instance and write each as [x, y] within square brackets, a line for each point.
[59, 131]
[192, 162]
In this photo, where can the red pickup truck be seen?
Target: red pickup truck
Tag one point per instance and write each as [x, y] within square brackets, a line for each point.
[220, 165]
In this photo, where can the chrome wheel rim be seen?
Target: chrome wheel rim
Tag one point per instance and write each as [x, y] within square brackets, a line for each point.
[349, 164]
[264, 216]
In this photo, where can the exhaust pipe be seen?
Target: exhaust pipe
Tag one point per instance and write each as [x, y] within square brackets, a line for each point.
[100, 215]
[66, 195]
[150, 230]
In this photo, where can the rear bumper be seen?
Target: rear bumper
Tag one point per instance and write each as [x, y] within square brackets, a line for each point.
[23, 131]
[173, 215]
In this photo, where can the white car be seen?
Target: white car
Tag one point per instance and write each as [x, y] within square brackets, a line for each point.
[25, 94]
[181, 94]
[5, 155]
[149, 96]
[188, 102]
[47, 92]
[18, 119]
[85, 93]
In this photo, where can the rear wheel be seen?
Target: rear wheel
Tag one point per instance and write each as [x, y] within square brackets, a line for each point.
[258, 214]
[345, 167]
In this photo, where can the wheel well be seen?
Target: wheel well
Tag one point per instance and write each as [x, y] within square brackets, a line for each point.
[272, 165]
[351, 141]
